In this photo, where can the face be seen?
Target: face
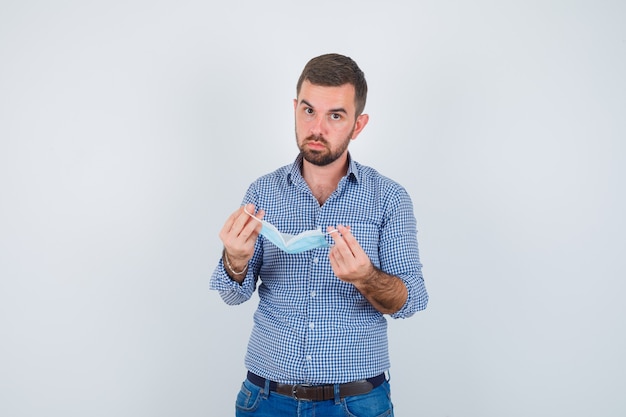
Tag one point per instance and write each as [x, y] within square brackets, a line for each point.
[326, 122]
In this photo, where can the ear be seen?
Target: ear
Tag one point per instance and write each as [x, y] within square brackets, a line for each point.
[360, 124]
[295, 103]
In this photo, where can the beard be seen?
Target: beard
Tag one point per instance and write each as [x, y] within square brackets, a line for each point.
[322, 157]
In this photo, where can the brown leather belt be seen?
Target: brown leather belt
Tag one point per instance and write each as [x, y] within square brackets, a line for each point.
[319, 392]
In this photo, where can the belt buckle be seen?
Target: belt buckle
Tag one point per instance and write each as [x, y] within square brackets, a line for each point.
[294, 392]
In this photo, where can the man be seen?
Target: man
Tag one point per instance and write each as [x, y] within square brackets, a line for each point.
[319, 341]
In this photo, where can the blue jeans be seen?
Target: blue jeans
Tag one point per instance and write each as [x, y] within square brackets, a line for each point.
[260, 402]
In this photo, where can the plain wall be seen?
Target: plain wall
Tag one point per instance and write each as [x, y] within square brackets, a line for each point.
[129, 131]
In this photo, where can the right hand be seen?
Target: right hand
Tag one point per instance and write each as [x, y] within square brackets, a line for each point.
[239, 235]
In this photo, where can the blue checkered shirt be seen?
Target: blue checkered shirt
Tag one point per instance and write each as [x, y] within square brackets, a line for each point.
[309, 326]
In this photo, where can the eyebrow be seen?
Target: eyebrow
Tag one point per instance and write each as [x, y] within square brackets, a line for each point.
[338, 110]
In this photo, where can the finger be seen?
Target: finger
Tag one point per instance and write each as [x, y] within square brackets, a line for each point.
[345, 242]
[249, 210]
[236, 223]
[333, 232]
[242, 219]
[335, 235]
[255, 221]
[335, 259]
[228, 225]
[252, 228]
[226, 234]
[260, 214]
[348, 237]
[340, 251]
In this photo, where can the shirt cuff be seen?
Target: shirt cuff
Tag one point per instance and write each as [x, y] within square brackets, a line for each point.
[417, 297]
[231, 291]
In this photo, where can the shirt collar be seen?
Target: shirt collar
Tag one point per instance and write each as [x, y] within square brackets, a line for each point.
[294, 173]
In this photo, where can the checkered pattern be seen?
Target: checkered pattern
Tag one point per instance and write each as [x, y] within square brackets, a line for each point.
[310, 327]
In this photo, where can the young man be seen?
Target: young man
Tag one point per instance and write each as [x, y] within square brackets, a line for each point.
[319, 341]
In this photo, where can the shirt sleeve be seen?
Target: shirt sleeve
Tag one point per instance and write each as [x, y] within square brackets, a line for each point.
[399, 253]
[417, 299]
[231, 291]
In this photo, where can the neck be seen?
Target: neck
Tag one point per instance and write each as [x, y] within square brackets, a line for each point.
[323, 180]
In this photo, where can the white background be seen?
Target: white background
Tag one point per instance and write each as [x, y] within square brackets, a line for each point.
[129, 130]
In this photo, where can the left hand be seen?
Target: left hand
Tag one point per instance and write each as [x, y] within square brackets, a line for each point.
[347, 258]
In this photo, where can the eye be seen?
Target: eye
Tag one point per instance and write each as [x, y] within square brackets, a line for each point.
[335, 116]
[308, 110]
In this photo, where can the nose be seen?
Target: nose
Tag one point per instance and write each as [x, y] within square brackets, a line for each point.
[318, 125]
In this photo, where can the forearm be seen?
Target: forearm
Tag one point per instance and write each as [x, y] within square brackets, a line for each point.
[387, 293]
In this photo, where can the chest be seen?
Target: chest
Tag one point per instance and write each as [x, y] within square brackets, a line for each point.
[322, 192]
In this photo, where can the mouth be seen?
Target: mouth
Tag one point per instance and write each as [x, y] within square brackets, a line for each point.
[316, 145]
[316, 142]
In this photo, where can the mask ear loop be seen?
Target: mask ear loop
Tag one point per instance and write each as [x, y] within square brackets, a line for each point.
[261, 221]
[251, 215]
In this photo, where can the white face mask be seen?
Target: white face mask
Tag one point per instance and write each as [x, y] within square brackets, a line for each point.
[310, 239]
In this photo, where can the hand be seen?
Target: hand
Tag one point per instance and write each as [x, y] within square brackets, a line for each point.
[239, 235]
[348, 259]
[386, 293]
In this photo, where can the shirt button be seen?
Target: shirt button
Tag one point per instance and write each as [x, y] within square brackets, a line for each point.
[313, 293]
[309, 358]
[316, 260]
[311, 325]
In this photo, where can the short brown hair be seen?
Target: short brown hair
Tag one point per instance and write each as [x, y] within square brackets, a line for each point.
[334, 70]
